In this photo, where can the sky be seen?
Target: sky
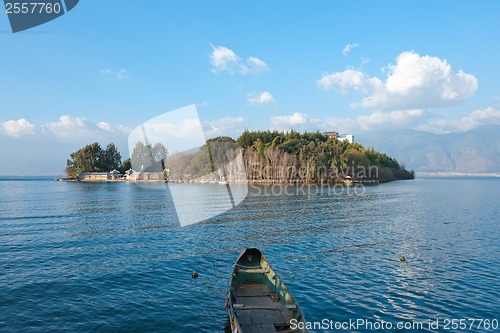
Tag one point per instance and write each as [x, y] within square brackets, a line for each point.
[104, 68]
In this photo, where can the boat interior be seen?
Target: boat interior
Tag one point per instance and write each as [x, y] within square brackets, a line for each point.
[260, 301]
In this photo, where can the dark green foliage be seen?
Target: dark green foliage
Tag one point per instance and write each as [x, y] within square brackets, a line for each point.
[272, 156]
[110, 158]
[317, 157]
[126, 165]
[92, 158]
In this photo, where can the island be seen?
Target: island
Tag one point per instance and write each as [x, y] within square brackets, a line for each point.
[262, 157]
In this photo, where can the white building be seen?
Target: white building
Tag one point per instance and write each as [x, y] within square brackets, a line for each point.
[349, 138]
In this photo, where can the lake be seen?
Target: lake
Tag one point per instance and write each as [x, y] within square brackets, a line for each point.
[113, 258]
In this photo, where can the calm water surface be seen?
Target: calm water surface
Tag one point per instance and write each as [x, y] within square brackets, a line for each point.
[113, 258]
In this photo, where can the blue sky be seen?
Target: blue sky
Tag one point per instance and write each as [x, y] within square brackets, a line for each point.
[352, 66]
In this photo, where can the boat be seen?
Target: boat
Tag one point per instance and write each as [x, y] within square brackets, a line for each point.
[258, 301]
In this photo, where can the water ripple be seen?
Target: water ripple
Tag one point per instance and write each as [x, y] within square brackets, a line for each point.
[111, 257]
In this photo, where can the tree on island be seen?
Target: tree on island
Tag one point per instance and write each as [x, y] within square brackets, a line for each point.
[92, 158]
[149, 158]
[279, 157]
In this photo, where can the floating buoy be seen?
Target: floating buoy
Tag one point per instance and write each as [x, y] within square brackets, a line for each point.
[402, 258]
[194, 275]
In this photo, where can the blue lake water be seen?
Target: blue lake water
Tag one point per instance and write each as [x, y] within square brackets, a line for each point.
[113, 258]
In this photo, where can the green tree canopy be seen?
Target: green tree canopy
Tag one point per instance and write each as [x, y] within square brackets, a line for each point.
[92, 158]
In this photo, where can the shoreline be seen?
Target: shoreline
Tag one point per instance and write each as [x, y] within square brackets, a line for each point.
[262, 182]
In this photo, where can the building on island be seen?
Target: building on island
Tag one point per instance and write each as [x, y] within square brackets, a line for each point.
[100, 176]
[349, 138]
[144, 176]
[115, 174]
[94, 176]
[335, 135]
[331, 134]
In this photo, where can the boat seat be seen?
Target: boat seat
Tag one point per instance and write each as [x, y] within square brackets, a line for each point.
[254, 270]
[255, 307]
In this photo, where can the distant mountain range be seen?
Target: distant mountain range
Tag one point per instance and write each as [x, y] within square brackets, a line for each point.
[473, 152]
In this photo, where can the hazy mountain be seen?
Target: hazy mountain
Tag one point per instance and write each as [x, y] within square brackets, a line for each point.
[476, 151]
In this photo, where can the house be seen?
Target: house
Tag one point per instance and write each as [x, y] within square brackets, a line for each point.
[335, 135]
[134, 176]
[349, 138]
[131, 175]
[151, 177]
[99, 176]
[115, 174]
[94, 176]
[331, 134]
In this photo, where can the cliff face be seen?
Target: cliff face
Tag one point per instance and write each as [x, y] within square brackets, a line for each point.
[273, 157]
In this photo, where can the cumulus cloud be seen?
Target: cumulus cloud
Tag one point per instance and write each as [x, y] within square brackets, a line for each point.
[419, 119]
[224, 59]
[254, 66]
[376, 121]
[414, 82]
[224, 126]
[392, 120]
[264, 97]
[17, 128]
[295, 119]
[66, 128]
[348, 48]
[341, 125]
[349, 80]
[478, 118]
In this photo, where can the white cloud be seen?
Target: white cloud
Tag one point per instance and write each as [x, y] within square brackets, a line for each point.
[392, 120]
[120, 74]
[376, 121]
[254, 66]
[478, 118]
[419, 119]
[104, 126]
[224, 59]
[70, 127]
[295, 119]
[341, 125]
[348, 48]
[349, 80]
[66, 128]
[78, 129]
[414, 82]
[224, 126]
[17, 128]
[264, 97]
[44, 148]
